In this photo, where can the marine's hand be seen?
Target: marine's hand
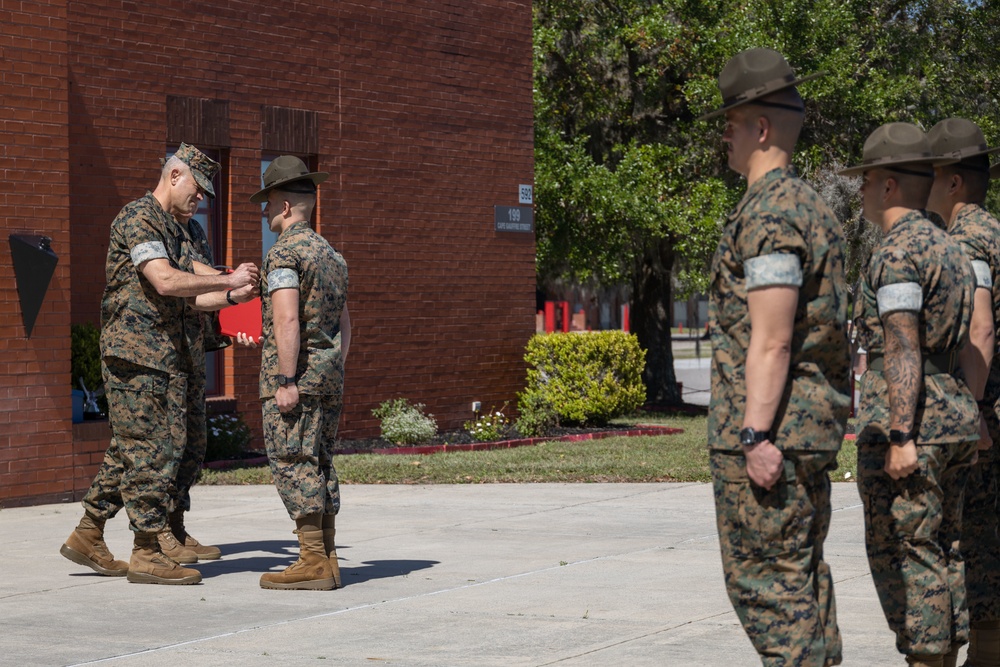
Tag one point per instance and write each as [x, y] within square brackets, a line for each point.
[246, 293]
[765, 464]
[247, 341]
[901, 460]
[245, 274]
[287, 397]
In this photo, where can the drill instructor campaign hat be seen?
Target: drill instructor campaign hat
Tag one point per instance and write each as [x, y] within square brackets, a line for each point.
[203, 168]
[961, 138]
[290, 174]
[753, 74]
[958, 138]
[896, 144]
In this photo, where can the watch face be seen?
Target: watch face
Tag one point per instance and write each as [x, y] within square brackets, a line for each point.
[747, 436]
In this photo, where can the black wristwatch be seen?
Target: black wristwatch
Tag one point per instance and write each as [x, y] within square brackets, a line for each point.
[285, 380]
[901, 437]
[750, 437]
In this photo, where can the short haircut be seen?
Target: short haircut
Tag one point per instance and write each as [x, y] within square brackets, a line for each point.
[975, 173]
[916, 189]
[785, 110]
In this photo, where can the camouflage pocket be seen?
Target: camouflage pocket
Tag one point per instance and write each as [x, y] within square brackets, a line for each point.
[290, 435]
[137, 401]
[771, 522]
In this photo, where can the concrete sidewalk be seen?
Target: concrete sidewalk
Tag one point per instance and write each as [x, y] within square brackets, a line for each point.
[532, 574]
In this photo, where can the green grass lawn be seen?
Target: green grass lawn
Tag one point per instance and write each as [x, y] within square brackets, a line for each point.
[668, 458]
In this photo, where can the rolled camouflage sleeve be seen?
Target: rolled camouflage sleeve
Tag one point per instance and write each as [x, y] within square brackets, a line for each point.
[773, 248]
[281, 269]
[144, 238]
[896, 282]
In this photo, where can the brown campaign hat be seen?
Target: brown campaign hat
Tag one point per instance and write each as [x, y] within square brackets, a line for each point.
[752, 74]
[203, 168]
[285, 171]
[958, 138]
[895, 144]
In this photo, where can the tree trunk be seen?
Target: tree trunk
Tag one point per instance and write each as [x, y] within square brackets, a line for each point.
[651, 314]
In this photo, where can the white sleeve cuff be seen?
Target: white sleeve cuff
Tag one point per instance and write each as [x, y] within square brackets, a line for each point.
[147, 251]
[773, 270]
[281, 279]
[900, 296]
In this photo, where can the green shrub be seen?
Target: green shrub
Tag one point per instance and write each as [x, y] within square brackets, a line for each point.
[536, 418]
[85, 360]
[228, 436]
[586, 378]
[490, 427]
[405, 424]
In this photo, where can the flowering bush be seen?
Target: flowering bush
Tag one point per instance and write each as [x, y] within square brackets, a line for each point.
[405, 424]
[228, 436]
[491, 426]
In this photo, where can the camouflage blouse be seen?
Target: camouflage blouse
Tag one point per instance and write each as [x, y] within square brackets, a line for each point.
[303, 260]
[138, 324]
[782, 234]
[919, 268]
[978, 232]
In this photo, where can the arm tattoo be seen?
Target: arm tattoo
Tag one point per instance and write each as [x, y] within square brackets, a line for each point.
[903, 367]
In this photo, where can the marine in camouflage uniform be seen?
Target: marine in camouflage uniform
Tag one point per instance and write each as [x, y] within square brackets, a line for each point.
[300, 442]
[957, 196]
[913, 519]
[300, 434]
[780, 235]
[146, 364]
[201, 331]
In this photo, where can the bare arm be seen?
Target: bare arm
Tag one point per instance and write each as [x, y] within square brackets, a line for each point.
[218, 300]
[977, 355]
[345, 333]
[168, 281]
[772, 322]
[904, 378]
[285, 307]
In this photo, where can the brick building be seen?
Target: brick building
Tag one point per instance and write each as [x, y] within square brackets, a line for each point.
[422, 111]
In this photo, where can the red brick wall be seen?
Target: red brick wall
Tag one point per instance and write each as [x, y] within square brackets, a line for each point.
[425, 121]
[36, 446]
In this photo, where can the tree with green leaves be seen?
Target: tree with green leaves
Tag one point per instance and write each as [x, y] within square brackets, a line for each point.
[631, 189]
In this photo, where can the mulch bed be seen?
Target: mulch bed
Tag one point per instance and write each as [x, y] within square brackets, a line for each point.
[461, 441]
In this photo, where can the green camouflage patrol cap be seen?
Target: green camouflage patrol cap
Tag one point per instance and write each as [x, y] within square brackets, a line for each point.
[287, 173]
[203, 168]
[753, 74]
[895, 144]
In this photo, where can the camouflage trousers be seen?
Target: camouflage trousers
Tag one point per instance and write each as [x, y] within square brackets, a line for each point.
[981, 536]
[191, 456]
[300, 450]
[147, 411]
[772, 557]
[912, 531]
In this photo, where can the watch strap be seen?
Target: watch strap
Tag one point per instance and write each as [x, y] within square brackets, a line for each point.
[897, 437]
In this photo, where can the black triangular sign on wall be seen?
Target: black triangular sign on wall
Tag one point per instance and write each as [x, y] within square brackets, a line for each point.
[34, 264]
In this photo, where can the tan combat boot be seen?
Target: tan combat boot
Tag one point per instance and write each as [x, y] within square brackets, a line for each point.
[925, 660]
[312, 570]
[150, 566]
[86, 546]
[202, 551]
[173, 549]
[984, 644]
[329, 532]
